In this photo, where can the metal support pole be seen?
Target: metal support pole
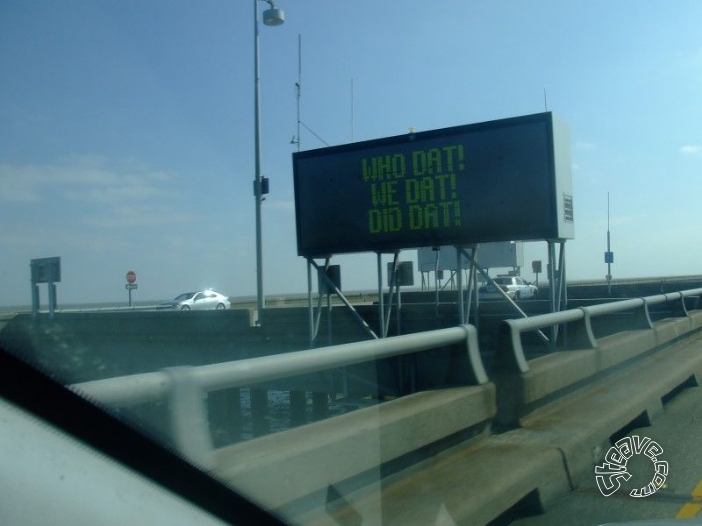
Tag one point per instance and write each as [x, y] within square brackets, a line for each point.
[391, 288]
[298, 399]
[552, 285]
[258, 180]
[436, 280]
[35, 300]
[472, 288]
[399, 310]
[345, 301]
[474, 285]
[499, 290]
[329, 318]
[461, 306]
[309, 302]
[381, 305]
[563, 289]
[320, 299]
[561, 277]
[564, 275]
[52, 299]
[609, 250]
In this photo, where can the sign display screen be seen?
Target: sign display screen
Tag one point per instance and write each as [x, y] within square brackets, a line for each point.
[496, 181]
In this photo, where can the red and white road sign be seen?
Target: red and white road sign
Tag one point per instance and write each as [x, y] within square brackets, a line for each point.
[131, 277]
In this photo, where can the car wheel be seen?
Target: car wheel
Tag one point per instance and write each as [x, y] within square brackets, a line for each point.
[220, 306]
[185, 307]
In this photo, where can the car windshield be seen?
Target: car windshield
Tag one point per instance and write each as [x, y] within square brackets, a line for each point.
[184, 296]
[361, 183]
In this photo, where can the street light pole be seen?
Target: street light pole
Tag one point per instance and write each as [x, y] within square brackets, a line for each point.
[271, 17]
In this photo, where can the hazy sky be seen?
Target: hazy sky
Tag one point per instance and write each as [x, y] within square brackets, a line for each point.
[127, 127]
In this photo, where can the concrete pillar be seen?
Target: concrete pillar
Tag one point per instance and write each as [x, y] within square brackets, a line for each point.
[259, 411]
[298, 408]
[320, 405]
[225, 416]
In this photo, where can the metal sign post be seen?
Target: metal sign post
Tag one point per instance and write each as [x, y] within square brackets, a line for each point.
[609, 255]
[131, 284]
[536, 268]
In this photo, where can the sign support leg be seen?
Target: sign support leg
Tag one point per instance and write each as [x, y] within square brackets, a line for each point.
[391, 288]
[35, 300]
[381, 306]
[52, 299]
[309, 302]
[461, 296]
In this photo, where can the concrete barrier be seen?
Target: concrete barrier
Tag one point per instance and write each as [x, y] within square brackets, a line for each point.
[524, 385]
[184, 389]
[582, 426]
[294, 469]
[79, 347]
[553, 450]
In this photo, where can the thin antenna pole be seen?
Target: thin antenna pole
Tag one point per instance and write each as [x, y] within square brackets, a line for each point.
[545, 102]
[352, 123]
[609, 253]
[299, 86]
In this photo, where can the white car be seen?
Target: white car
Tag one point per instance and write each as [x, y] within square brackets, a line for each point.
[203, 300]
[515, 287]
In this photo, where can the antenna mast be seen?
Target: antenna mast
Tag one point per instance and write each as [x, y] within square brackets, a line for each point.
[298, 89]
[545, 102]
[299, 85]
[609, 257]
[352, 130]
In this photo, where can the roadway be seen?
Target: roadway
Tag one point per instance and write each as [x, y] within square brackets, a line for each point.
[677, 430]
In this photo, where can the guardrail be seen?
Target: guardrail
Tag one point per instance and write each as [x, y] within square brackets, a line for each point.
[522, 383]
[184, 387]
[307, 462]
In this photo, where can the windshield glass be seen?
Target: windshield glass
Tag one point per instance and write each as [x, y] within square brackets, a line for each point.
[185, 296]
[345, 175]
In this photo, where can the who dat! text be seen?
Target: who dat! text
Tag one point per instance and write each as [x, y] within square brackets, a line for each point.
[448, 159]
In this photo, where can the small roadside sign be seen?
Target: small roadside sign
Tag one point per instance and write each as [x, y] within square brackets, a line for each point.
[131, 284]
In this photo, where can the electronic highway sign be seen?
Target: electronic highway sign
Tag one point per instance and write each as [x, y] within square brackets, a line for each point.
[46, 270]
[503, 180]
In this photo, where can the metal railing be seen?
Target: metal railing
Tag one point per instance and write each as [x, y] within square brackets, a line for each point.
[579, 323]
[184, 388]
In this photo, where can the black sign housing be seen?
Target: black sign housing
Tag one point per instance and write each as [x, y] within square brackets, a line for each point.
[504, 180]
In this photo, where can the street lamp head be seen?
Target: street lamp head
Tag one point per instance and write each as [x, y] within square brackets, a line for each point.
[273, 16]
